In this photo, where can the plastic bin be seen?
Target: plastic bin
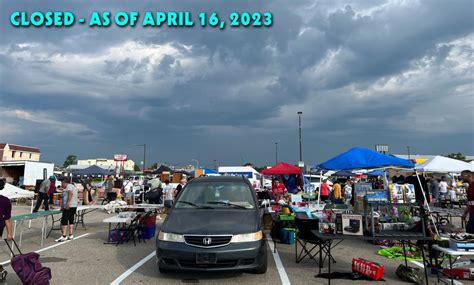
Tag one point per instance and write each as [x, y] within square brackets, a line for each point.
[287, 236]
[147, 232]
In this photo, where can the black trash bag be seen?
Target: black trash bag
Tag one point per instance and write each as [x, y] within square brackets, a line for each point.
[411, 274]
[154, 196]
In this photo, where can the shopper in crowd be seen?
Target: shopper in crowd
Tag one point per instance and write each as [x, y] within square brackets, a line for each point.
[337, 193]
[87, 193]
[324, 190]
[434, 189]
[109, 188]
[278, 190]
[180, 186]
[168, 193]
[468, 177]
[68, 207]
[5, 213]
[348, 191]
[52, 189]
[43, 194]
[443, 187]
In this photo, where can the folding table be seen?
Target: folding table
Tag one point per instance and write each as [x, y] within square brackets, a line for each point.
[20, 219]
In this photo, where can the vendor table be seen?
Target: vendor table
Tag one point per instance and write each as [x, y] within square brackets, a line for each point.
[20, 219]
[121, 223]
[404, 237]
[450, 253]
[82, 210]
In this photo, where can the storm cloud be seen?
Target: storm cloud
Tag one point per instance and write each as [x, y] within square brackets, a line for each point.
[363, 72]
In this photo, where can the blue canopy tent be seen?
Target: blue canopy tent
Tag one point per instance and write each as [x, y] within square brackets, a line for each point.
[92, 170]
[364, 158]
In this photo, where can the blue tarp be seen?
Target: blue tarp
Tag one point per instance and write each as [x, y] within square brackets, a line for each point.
[206, 171]
[92, 170]
[363, 158]
[376, 173]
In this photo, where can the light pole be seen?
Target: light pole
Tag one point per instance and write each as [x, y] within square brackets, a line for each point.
[276, 153]
[197, 163]
[144, 155]
[301, 146]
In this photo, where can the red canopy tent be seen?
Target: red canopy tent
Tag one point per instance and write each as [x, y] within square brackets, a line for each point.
[282, 168]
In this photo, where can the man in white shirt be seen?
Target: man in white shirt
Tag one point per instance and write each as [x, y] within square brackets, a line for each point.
[443, 187]
[168, 193]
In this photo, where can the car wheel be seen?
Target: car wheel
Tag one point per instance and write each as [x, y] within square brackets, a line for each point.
[262, 269]
[162, 270]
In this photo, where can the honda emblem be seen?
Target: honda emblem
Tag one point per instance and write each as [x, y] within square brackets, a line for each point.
[207, 241]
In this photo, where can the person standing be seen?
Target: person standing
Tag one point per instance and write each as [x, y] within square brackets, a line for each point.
[348, 191]
[168, 192]
[467, 177]
[443, 187]
[180, 186]
[278, 190]
[5, 213]
[324, 190]
[109, 188]
[68, 207]
[337, 192]
[43, 194]
[434, 189]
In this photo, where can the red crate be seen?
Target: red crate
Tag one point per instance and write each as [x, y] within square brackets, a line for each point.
[148, 221]
[367, 268]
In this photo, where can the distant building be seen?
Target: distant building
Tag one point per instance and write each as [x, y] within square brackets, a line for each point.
[13, 152]
[105, 163]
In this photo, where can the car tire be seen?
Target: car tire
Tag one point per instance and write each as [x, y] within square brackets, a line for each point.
[262, 269]
[162, 270]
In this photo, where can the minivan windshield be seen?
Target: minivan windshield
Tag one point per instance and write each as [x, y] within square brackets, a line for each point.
[206, 195]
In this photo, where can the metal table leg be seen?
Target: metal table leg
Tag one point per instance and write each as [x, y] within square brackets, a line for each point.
[329, 263]
[424, 262]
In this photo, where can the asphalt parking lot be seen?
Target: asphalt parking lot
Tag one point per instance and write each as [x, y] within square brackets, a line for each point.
[87, 260]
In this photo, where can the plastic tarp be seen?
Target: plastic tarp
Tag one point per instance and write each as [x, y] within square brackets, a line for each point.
[363, 158]
[282, 168]
[376, 173]
[161, 169]
[92, 170]
[13, 192]
[444, 165]
[344, 173]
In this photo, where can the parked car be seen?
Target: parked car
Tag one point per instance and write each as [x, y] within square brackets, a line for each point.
[215, 225]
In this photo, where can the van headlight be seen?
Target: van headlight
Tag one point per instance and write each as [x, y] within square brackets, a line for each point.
[247, 237]
[170, 237]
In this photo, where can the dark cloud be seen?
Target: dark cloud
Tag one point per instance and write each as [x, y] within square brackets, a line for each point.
[396, 72]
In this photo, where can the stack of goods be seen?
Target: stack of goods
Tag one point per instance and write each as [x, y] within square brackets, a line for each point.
[147, 227]
[461, 241]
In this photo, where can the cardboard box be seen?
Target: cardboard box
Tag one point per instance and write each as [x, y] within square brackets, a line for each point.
[367, 268]
[352, 225]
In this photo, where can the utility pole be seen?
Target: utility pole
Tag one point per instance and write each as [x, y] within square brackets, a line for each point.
[301, 144]
[276, 153]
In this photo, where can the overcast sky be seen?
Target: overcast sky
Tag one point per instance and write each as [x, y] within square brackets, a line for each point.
[362, 72]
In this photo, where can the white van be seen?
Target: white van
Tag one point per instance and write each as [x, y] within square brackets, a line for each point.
[250, 173]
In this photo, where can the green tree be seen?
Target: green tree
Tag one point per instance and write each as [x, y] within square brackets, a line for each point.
[154, 166]
[136, 168]
[458, 156]
[70, 159]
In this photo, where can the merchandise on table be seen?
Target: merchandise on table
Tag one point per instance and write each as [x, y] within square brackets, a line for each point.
[352, 224]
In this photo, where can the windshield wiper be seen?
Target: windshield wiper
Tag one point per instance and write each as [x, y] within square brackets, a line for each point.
[226, 203]
[195, 205]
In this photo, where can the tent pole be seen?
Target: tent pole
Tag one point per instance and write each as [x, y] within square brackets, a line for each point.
[426, 202]
[320, 181]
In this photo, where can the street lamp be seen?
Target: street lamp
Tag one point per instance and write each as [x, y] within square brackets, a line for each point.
[197, 163]
[301, 145]
[276, 153]
[144, 155]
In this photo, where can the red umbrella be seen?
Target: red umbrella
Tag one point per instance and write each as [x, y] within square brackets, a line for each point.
[282, 168]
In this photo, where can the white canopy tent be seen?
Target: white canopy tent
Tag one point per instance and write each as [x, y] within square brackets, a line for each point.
[13, 192]
[444, 165]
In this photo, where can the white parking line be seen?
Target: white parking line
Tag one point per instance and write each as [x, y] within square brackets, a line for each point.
[51, 246]
[133, 268]
[281, 270]
[417, 263]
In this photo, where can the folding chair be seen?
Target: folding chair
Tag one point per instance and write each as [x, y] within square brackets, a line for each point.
[130, 232]
[309, 243]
